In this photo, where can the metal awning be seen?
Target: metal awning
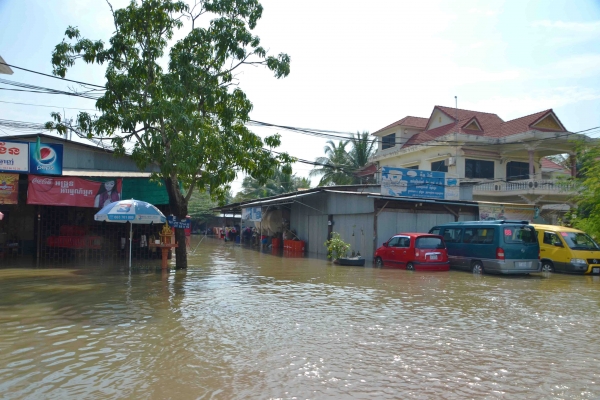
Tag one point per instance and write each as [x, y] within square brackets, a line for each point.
[5, 69]
[418, 200]
[280, 200]
[107, 174]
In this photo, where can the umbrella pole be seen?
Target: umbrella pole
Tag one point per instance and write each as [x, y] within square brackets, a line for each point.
[130, 240]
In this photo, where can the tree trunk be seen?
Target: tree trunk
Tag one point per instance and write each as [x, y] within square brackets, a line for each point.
[179, 209]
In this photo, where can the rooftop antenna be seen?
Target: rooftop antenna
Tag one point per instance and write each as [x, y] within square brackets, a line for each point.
[456, 107]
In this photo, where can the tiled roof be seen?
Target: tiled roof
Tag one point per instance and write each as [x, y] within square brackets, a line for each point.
[492, 125]
[547, 163]
[413, 122]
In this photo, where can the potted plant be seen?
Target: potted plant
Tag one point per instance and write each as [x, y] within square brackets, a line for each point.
[337, 249]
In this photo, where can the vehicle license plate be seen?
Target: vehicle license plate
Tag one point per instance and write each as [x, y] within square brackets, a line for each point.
[595, 270]
[433, 257]
[522, 264]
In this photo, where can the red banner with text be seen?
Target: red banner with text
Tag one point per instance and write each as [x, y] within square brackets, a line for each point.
[9, 188]
[71, 191]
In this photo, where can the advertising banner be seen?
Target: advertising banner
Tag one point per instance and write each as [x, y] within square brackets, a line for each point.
[9, 188]
[70, 191]
[173, 222]
[406, 182]
[252, 214]
[45, 158]
[14, 157]
[502, 212]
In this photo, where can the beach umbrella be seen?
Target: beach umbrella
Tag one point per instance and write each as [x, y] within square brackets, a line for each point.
[1, 216]
[132, 211]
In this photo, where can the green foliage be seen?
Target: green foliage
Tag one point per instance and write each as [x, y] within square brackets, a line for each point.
[188, 118]
[586, 214]
[339, 165]
[200, 206]
[336, 247]
[278, 183]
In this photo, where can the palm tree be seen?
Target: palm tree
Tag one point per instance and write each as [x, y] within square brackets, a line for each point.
[278, 183]
[336, 167]
[362, 149]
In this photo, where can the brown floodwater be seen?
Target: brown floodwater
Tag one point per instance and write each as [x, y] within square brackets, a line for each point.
[241, 324]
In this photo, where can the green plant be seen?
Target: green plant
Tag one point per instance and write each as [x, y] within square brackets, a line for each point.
[336, 247]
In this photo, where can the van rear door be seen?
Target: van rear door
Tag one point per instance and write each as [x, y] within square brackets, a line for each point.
[520, 242]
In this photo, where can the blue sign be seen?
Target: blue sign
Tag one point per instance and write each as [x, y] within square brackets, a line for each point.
[179, 223]
[252, 213]
[417, 183]
[45, 158]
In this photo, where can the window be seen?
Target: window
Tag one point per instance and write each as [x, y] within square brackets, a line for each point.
[404, 242]
[429, 243]
[393, 241]
[413, 167]
[479, 169]
[519, 234]
[388, 141]
[452, 235]
[552, 239]
[439, 166]
[479, 235]
[516, 170]
[435, 231]
[579, 241]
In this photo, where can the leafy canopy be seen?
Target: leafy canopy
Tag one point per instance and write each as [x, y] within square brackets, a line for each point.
[188, 118]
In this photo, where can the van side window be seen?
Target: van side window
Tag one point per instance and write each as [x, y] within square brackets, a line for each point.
[479, 235]
[435, 231]
[552, 239]
[452, 235]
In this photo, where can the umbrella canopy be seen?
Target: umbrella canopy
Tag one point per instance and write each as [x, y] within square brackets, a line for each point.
[1, 216]
[133, 211]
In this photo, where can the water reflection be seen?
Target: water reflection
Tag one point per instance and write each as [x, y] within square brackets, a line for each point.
[241, 323]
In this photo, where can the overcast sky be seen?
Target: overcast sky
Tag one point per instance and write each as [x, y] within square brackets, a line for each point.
[359, 66]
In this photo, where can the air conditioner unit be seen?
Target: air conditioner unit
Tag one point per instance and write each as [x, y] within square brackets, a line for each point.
[450, 161]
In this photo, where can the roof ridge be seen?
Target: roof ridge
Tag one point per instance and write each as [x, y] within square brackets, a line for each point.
[463, 109]
[529, 115]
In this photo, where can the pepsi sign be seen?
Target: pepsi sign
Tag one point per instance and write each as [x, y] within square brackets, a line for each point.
[45, 158]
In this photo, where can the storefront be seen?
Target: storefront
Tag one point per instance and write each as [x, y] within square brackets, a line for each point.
[50, 189]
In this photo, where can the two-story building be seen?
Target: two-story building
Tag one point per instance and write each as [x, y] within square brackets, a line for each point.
[503, 161]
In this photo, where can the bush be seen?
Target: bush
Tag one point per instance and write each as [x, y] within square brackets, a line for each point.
[336, 247]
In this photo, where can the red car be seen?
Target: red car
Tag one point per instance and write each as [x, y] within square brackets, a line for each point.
[414, 251]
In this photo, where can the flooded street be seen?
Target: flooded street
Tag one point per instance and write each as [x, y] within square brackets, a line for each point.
[240, 324]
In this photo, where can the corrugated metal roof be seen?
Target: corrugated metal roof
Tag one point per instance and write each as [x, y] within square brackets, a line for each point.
[107, 174]
[280, 200]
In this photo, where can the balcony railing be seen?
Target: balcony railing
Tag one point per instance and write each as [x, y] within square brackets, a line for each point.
[527, 186]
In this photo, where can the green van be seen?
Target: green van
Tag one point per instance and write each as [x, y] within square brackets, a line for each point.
[502, 247]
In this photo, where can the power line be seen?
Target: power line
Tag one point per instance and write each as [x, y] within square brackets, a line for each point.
[44, 105]
[53, 76]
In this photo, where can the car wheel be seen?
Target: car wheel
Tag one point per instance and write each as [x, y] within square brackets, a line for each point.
[410, 267]
[477, 267]
[547, 266]
[378, 262]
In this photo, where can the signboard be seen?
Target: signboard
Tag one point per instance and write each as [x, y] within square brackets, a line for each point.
[38, 158]
[173, 222]
[252, 214]
[45, 158]
[9, 188]
[404, 182]
[14, 157]
[491, 212]
[70, 191]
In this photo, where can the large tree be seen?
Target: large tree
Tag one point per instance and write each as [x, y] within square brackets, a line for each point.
[188, 118]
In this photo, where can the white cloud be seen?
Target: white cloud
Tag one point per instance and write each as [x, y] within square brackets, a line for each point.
[588, 27]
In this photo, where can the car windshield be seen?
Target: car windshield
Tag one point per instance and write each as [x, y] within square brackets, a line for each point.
[519, 234]
[429, 243]
[579, 241]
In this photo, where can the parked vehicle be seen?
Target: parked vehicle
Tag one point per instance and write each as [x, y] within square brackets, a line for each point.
[413, 251]
[503, 247]
[567, 250]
